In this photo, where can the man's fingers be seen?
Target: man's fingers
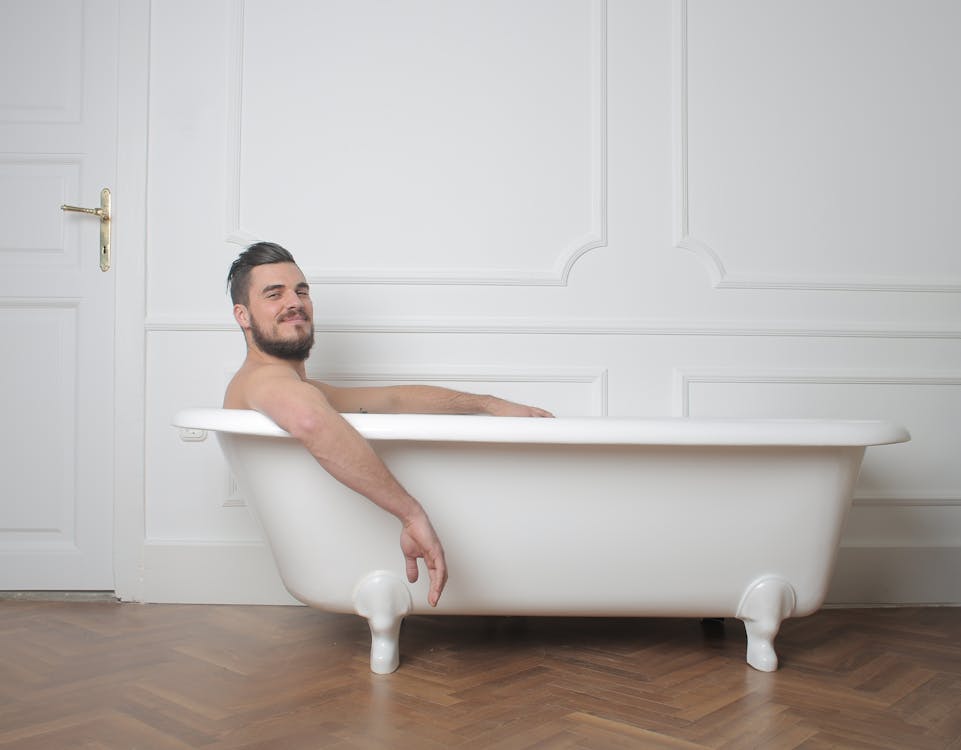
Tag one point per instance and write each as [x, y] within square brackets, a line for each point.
[438, 578]
[419, 540]
[412, 572]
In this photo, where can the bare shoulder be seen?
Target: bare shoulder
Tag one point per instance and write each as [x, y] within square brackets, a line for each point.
[252, 377]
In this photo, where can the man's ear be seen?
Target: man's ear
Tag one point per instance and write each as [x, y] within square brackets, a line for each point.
[242, 316]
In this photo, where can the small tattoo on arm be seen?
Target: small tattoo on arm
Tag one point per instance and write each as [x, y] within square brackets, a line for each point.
[363, 410]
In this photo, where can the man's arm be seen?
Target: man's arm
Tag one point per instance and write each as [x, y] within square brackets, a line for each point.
[304, 412]
[420, 399]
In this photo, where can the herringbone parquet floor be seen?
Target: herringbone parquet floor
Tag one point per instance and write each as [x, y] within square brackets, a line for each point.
[169, 677]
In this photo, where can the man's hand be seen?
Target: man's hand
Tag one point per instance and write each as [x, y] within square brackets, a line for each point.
[498, 407]
[418, 539]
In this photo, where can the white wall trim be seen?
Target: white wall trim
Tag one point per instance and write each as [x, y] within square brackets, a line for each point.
[867, 573]
[233, 137]
[557, 275]
[130, 242]
[472, 373]
[575, 327]
[684, 378]
[41, 303]
[871, 576]
[188, 572]
[909, 500]
[595, 377]
[721, 277]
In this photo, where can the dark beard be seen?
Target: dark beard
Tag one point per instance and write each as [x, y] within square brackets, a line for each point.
[293, 351]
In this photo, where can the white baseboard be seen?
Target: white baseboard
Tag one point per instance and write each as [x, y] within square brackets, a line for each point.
[877, 576]
[244, 573]
[211, 573]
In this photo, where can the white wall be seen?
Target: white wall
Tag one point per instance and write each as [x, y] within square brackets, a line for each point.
[627, 208]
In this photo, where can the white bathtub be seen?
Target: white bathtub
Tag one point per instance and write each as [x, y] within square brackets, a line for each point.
[568, 516]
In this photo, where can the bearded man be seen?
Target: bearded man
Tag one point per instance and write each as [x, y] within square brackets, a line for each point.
[273, 308]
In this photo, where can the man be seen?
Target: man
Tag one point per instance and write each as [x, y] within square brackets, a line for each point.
[273, 308]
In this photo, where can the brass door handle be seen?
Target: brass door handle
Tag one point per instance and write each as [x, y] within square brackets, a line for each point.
[104, 213]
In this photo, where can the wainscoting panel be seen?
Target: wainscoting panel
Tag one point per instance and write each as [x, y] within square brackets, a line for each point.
[491, 196]
[190, 495]
[923, 469]
[902, 541]
[388, 142]
[795, 165]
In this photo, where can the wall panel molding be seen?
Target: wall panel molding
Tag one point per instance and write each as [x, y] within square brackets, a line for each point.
[191, 572]
[594, 378]
[574, 327]
[892, 575]
[557, 275]
[686, 378]
[42, 303]
[245, 573]
[722, 276]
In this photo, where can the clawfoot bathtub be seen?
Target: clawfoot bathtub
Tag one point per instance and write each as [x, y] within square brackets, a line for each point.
[569, 516]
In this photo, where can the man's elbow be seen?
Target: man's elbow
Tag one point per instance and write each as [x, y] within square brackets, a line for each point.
[310, 428]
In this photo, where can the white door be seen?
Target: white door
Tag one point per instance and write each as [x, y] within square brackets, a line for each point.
[58, 145]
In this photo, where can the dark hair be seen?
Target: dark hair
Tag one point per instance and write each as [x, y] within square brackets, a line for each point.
[258, 254]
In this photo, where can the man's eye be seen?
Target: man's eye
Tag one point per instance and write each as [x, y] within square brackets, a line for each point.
[303, 293]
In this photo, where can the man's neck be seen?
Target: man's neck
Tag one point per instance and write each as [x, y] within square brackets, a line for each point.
[257, 358]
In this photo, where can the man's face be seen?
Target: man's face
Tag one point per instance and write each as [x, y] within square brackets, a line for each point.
[280, 313]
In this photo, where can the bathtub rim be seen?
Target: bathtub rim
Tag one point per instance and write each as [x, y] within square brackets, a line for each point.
[573, 430]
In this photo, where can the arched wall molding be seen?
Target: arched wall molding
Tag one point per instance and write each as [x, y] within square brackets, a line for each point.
[723, 277]
[557, 275]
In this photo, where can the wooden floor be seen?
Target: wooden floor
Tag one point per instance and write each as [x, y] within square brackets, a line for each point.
[152, 677]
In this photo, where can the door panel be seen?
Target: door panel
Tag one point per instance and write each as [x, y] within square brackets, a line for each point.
[58, 143]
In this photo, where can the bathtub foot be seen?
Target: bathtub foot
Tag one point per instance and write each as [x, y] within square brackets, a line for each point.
[766, 604]
[383, 598]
